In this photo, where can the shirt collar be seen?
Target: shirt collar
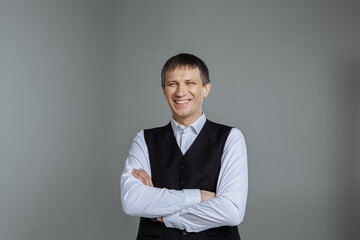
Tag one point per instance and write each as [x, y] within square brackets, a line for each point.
[195, 126]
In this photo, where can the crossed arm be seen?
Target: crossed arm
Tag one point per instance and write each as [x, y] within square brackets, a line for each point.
[145, 179]
[191, 209]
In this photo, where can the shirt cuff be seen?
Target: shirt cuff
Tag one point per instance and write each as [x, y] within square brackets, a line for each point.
[192, 197]
[173, 221]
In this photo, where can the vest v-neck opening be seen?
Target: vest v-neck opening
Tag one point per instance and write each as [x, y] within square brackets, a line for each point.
[194, 142]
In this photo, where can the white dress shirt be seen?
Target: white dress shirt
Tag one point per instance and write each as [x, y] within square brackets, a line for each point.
[183, 209]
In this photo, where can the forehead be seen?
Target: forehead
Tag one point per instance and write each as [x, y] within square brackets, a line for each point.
[183, 72]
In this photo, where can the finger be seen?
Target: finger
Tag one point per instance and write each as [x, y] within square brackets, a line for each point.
[143, 176]
[142, 173]
[138, 176]
[150, 182]
[146, 176]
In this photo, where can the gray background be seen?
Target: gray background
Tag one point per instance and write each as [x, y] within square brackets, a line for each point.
[78, 80]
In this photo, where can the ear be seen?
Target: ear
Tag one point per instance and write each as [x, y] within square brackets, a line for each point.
[207, 88]
[163, 89]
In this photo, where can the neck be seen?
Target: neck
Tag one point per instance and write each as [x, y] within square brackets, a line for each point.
[186, 121]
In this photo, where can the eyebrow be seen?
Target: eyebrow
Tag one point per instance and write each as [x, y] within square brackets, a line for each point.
[186, 80]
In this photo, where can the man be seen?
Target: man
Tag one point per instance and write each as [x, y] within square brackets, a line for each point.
[188, 179]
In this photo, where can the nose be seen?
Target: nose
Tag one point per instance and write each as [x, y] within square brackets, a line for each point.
[181, 90]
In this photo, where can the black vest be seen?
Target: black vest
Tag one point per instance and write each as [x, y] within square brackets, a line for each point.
[198, 169]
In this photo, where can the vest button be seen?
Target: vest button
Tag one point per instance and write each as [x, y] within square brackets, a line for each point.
[182, 167]
[181, 183]
[185, 232]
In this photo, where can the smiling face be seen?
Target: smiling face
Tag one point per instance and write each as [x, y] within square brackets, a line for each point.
[184, 92]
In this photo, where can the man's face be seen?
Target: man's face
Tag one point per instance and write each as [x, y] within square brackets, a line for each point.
[184, 92]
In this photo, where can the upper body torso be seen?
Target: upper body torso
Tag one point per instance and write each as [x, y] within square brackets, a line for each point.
[181, 206]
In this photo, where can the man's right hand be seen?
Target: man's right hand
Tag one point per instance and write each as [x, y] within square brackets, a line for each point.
[206, 195]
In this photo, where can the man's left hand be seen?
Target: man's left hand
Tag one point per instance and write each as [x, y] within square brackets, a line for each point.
[142, 176]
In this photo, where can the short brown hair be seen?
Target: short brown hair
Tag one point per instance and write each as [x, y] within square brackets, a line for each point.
[185, 60]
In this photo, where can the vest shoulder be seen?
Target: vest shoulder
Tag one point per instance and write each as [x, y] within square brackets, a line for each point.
[157, 129]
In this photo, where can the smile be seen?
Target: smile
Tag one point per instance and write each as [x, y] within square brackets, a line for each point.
[182, 101]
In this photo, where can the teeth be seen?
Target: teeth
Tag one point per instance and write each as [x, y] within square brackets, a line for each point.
[182, 101]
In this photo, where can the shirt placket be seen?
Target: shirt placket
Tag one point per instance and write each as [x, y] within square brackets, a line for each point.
[184, 141]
